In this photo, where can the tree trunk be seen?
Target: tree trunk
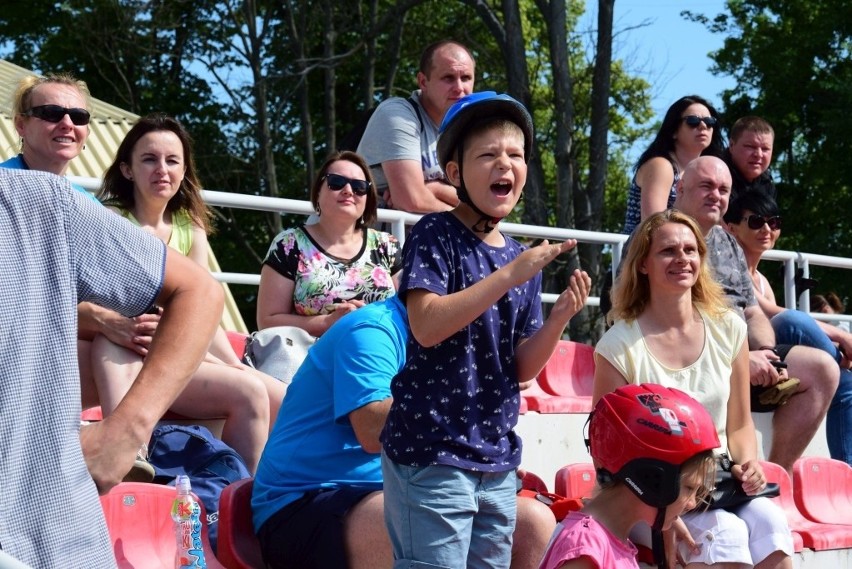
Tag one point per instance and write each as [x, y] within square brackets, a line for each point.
[588, 205]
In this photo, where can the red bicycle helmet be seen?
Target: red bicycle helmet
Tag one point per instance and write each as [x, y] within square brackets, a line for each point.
[642, 434]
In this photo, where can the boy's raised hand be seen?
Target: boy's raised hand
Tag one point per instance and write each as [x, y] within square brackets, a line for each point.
[533, 260]
[573, 298]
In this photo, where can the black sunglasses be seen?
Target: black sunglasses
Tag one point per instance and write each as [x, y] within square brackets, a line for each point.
[693, 121]
[336, 182]
[55, 113]
[756, 221]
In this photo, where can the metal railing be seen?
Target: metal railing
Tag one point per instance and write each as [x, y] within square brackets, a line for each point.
[398, 222]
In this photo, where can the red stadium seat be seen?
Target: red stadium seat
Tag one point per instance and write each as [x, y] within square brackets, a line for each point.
[570, 374]
[812, 534]
[141, 529]
[540, 401]
[238, 342]
[822, 488]
[238, 545]
[533, 482]
[575, 480]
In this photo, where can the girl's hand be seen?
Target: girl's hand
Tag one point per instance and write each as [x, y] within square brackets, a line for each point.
[673, 537]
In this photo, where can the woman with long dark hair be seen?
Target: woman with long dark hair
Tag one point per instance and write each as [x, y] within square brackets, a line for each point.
[691, 128]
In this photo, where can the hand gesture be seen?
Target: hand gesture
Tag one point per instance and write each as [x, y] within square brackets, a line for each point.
[761, 370]
[673, 537]
[340, 309]
[132, 333]
[573, 298]
[529, 263]
[109, 454]
[750, 473]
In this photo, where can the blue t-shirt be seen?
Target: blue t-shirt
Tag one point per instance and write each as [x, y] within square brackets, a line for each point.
[18, 163]
[457, 402]
[313, 444]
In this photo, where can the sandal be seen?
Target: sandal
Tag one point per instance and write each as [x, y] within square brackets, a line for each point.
[142, 471]
[779, 393]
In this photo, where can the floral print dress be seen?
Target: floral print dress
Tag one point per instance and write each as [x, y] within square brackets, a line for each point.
[321, 279]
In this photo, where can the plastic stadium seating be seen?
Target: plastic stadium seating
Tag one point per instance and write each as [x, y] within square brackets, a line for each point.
[141, 529]
[570, 374]
[812, 534]
[238, 545]
[575, 480]
[534, 398]
[533, 482]
[822, 489]
[238, 342]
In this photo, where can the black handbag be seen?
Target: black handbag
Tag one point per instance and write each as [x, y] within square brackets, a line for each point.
[728, 493]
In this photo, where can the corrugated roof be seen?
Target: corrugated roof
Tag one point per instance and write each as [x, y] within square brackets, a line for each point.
[107, 129]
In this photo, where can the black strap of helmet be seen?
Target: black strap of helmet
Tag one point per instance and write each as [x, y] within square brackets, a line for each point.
[658, 546]
[486, 223]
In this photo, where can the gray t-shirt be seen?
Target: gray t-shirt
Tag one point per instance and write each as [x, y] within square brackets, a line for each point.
[394, 133]
[730, 268]
[57, 248]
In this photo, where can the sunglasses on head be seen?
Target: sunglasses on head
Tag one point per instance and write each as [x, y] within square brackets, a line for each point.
[756, 221]
[55, 113]
[693, 121]
[336, 182]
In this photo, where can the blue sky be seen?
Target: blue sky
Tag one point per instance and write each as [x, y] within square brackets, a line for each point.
[668, 50]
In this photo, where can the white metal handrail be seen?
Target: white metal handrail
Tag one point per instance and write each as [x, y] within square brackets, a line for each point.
[400, 220]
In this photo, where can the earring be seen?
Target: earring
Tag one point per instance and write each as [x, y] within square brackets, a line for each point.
[84, 147]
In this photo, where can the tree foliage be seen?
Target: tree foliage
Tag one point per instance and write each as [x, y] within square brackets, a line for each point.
[268, 86]
[791, 60]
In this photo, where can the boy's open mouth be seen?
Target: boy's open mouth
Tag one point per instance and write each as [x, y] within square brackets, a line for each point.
[502, 189]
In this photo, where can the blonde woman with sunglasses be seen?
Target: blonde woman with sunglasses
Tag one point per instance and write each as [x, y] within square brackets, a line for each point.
[314, 274]
[690, 129]
[52, 118]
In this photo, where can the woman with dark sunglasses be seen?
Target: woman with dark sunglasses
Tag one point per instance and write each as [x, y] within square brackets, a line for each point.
[754, 219]
[52, 118]
[315, 273]
[690, 129]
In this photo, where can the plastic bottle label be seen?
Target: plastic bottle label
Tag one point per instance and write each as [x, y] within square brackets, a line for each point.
[190, 553]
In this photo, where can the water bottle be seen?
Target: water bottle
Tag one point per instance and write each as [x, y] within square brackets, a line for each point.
[186, 514]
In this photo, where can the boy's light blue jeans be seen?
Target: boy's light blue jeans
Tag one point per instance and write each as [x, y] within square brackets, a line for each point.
[446, 517]
[800, 329]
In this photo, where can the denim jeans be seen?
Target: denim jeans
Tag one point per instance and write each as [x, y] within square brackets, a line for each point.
[442, 516]
[800, 329]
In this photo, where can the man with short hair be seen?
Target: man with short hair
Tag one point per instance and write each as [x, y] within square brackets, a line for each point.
[317, 497]
[703, 193]
[749, 155]
[400, 141]
[57, 249]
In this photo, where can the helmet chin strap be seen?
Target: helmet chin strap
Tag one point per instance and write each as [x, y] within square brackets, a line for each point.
[658, 546]
[486, 222]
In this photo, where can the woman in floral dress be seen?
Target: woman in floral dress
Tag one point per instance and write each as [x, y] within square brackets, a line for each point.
[314, 274]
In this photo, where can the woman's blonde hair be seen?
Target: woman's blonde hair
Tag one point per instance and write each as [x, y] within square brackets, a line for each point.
[24, 92]
[631, 292]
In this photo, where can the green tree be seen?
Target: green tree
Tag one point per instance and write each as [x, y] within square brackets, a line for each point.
[791, 60]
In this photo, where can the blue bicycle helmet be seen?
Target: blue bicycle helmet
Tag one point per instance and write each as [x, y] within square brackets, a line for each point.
[459, 121]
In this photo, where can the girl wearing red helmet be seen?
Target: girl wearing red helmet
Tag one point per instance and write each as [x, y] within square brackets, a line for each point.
[653, 449]
[672, 326]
